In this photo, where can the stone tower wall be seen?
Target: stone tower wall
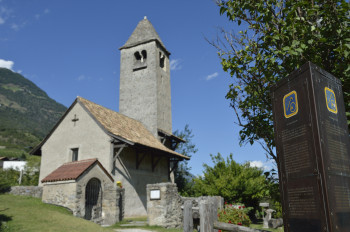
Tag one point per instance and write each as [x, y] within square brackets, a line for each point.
[164, 93]
[145, 88]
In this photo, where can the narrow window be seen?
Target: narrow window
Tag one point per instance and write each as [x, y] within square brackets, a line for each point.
[75, 154]
[144, 56]
[161, 60]
[137, 56]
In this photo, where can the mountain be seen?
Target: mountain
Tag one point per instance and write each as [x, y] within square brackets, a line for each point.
[27, 113]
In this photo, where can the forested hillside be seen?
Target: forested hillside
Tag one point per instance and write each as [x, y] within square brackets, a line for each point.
[27, 113]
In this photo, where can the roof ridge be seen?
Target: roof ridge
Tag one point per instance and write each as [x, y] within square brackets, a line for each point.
[80, 161]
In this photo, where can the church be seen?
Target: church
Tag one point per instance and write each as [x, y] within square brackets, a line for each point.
[92, 148]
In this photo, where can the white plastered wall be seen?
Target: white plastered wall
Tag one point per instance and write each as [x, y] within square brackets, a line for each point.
[84, 134]
[135, 180]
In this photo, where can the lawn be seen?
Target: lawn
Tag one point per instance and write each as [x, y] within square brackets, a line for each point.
[20, 213]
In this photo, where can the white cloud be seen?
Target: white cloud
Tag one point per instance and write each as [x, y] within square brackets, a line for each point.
[260, 164]
[6, 64]
[4, 14]
[175, 64]
[211, 76]
[15, 26]
[81, 77]
[46, 11]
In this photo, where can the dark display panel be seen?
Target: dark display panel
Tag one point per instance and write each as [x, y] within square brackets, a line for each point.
[312, 142]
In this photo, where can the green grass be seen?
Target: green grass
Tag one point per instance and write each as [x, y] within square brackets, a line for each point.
[147, 227]
[259, 226]
[19, 213]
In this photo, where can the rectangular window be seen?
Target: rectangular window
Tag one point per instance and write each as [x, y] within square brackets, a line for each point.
[75, 154]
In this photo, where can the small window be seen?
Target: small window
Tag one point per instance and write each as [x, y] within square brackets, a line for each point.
[137, 56]
[75, 154]
[140, 60]
[161, 60]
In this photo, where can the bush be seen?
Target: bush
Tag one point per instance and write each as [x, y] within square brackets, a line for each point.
[235, 214]
[4, 186]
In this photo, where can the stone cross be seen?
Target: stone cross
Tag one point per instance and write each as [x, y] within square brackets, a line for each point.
[75, 119]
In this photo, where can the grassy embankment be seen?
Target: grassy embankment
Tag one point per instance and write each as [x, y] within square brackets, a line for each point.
[19, 213]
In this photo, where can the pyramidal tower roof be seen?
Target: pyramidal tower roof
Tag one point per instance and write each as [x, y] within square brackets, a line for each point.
[143, 33]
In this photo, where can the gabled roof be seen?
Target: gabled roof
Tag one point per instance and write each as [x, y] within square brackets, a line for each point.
[143, 33]
[117, 126]
[73, 170]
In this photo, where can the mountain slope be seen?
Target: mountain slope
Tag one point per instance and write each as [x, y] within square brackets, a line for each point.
[27, 113]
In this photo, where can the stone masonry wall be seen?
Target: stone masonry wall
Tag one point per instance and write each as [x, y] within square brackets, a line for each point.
[62, 193]
[167, 211]
[33, 191]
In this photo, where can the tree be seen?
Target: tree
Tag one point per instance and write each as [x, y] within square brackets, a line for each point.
[277, 37]
[183, 177]
[233, 181]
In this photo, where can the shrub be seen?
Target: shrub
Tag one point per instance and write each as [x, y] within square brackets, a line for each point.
[235, 214]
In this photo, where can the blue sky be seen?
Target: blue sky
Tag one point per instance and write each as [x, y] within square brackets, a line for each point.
[70, 48]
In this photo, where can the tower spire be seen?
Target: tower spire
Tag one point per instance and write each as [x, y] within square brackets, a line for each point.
[143, 33]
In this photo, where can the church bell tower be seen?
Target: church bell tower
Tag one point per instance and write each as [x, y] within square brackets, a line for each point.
[145, 79]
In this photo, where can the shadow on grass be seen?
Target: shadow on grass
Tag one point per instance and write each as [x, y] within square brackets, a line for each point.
[4, 218]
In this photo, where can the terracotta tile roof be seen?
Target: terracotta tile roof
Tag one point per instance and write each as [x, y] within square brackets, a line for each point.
[127, 128]
[72, 170]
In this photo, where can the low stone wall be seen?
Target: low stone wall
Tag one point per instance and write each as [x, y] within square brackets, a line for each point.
[33, 191]
[166, 210]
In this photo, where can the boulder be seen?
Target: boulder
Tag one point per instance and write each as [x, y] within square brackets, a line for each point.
[275, 223]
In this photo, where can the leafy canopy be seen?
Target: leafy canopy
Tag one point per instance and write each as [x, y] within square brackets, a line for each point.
[183, 177]
[277, 37]
[233, 181]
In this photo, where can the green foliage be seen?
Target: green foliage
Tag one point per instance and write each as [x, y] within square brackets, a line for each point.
[4, 184]
[183, 177]
[235, 214]
[235, 182]
[30, 176]
[278, 208]
[31, 171]
[27, 114]
[275, 38]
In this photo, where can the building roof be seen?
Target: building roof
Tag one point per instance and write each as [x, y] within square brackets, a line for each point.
[119, 125]
[73, 170]
[143, 33]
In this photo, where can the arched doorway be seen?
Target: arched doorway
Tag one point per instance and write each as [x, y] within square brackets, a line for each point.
[93, 199]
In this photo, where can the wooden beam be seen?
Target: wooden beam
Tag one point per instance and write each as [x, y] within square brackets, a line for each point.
[138, 161]
[126, 170]
[155, 162]
[175, 166]
[118, 152]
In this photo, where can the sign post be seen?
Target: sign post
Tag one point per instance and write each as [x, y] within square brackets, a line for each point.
[313, 150]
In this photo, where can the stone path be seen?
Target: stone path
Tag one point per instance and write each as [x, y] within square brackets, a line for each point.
[133, 223]
[133, 230]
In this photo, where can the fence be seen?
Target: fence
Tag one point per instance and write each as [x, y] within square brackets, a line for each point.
[208, 219]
